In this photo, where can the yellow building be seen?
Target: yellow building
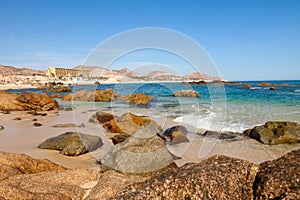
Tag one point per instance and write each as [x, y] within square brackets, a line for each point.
[64, 72]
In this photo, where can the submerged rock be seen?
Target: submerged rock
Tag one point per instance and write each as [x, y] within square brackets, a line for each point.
[177, 134]
[247, 86]
[72, 143]
[276, 133]
[145, 152]
[279, 179]
[128, 123]
[186, 93]
[218, 177]
[137, 99]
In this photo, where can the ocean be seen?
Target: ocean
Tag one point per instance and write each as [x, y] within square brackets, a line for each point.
[226, 107]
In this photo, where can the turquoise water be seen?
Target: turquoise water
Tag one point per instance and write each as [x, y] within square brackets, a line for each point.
[227, 107]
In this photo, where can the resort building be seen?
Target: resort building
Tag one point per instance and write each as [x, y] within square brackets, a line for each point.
[64, 72]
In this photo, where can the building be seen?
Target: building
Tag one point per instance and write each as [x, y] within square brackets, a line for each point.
[64, 72]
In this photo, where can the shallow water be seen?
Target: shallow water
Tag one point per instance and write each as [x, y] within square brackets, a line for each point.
[227, 108]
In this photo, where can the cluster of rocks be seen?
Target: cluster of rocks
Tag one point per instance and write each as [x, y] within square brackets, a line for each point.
[186, 93]
[26, 101]
[217, 177]
[272, 86]
[107, 95]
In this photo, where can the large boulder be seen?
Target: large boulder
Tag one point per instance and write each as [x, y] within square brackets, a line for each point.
[12, 164]
[128, 123]
[280, 178]
[72, 143]
[186, 93]
[36, 101]
[218, 177]
[8, 102]
[67, 184]
[144, 152]
[96, 96]
[106, 188]
[276, 133]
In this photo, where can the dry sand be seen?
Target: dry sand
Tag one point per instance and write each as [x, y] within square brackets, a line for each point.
[22, 137]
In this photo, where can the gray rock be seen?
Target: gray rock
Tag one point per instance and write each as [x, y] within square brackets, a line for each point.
[68, 125]
[144, 152]
[101, 117]
[219, 135]
[176, 134]
[276, 133]
[280, 178]
[72, 143]
[218, 177]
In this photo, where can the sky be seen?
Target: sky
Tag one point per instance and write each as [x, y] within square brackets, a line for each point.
[247, 40]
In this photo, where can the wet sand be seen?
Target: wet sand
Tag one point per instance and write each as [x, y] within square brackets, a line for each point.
[22, 137]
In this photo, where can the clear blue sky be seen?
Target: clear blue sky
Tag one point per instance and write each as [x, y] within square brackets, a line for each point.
[248, 40]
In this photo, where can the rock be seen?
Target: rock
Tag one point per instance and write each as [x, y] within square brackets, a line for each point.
[34, 120]
[218, 177]
[285, 85]
[37, 124]
[106, 188]
[279, 179]
[44, 114]
[35, 101]
[219, 135]
[72, 143]
[68, 125]
[57, 96]
[101, 117]
[266, 84]
[186, 93]
[17, 119]
[12, 164]
[276, 133]
[272, 88]
[144, 152]
[96, 96]
[59, 89]
[1, 127]
[177, 134]
[128, 123]
[247, 86]
[137, 99]
[116, 139]
[67, 184]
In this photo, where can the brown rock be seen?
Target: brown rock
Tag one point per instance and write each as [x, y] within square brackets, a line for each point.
[247, 86]
[218, 177]
[35, 101]
[1, 127]
[8, 102]
[96, 96]
[106, 188]
[37, 124]
[116, 139]
[266, 84]
[285, 85]
[66, 184]
[276, 133]
[57, 96]
[14, 164]
[279, 179]
[272, 88]
[186, 93]
[17, 119]
[128, 123]
[58, 89]
[138, 99]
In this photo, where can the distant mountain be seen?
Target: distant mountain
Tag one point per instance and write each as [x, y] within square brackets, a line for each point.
[10, 70]
[128, 75]
[199, 76]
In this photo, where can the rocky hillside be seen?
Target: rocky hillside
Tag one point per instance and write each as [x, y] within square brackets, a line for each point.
[9, 71]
